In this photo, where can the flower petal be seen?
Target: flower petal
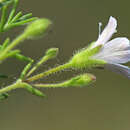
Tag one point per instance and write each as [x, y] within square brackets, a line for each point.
[117, 44]
[114, 57]
[120, 69]
[109, 30]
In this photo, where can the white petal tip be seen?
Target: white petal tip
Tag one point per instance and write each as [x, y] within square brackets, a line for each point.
[112, 23]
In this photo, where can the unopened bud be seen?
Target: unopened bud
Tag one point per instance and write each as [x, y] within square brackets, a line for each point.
[81, 80]
[52, 52]
[37, 28]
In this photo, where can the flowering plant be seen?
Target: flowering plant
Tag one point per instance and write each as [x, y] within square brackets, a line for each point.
[102, 53]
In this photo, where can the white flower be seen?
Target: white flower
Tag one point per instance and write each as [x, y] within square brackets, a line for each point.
[114, 52]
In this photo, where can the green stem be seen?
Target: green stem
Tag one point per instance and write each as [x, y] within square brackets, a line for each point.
[45, 58]
[57, 85]
[10, 87]
[46, 73]
[11, 46]
[17, 84]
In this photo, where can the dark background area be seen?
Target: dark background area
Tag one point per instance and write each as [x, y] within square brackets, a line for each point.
[105, 105]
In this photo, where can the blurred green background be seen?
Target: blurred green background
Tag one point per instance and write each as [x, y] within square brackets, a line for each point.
[105, 105]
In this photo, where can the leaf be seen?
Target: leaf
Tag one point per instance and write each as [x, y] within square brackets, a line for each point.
[20, 23]
[5, 44]
[12, 53]
[26, 16]
[22, 57]
[16, 17]
[34, 91]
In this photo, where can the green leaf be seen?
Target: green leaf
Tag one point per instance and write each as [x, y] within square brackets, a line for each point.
[12, 53]
[26, 16]
[25, 70]
[16, 17]
[34, 91]
[5, 44]
[16, 24]
[12, 13]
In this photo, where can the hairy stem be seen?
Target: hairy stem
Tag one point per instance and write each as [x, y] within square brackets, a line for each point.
[46, 73]
[37, 65]
[17, 84]
[57, 85]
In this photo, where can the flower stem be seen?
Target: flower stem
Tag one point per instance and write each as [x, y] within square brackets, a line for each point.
[46, 73]
[45, 58]
[57, 85]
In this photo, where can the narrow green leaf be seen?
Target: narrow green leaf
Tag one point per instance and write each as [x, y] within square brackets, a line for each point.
[12, 53]
[11, 15]
[12, 25]
[26, 16]
[24, 21]
[22, 57]
[25, 70]
[3, 18]
[5, 44]
[34, 91]
[16, 17]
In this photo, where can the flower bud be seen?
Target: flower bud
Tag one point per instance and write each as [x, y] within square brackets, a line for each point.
[78, 81]
[81, 80]
[52, 52]
[37, 28]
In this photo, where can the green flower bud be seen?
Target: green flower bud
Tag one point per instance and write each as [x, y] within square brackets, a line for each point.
[82, 59]
[52, 52]
[81, 80]
[78, 81]
[37, 28]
